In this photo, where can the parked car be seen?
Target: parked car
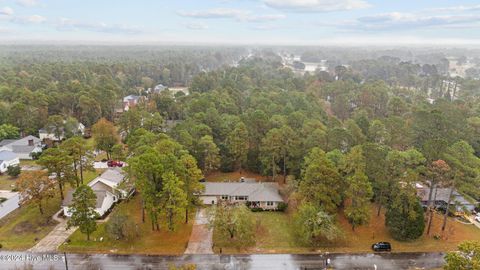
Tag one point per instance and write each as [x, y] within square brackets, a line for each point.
[114, 163]
[382, 246]
[477, 218]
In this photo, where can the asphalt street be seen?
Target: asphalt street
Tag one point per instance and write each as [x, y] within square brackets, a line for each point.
[379, 261]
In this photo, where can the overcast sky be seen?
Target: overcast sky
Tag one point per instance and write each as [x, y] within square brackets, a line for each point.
[316, 22]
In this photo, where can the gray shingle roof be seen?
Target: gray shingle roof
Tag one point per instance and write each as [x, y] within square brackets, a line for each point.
[101, 194]
[441, 194]
[7, 155]
[115, 175]
[254, 191]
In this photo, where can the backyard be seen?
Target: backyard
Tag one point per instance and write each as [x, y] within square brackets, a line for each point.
[274, 234]
[148, 241]
[233, 176]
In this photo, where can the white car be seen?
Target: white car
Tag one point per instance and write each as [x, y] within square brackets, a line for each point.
[477, 218]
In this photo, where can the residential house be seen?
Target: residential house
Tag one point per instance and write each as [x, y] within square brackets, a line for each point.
[257, 195]
[440, 198]
[7, 159]
[159, 88]
[24, 147]
[109, 188]
[49, 133]
[131, 101]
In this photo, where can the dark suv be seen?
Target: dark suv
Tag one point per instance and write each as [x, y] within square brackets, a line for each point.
[382, 246]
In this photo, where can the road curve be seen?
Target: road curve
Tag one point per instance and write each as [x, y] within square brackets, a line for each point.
[380, 261]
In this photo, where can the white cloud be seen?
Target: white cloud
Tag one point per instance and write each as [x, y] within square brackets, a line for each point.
[6, 11]
[316, 5]
[227, 13]
[407, 21]
[213, 13]
[36, 19]
[196, 26]
[66, 24]
[27, 3]
[460, 8]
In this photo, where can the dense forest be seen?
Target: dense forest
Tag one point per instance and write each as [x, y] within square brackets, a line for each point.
[364, 129]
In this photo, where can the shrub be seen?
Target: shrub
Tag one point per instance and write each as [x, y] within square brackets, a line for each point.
[13, 171]
[282, 207]
[256, 209]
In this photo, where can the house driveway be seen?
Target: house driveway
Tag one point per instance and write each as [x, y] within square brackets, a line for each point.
[55, 238]
[201, 239]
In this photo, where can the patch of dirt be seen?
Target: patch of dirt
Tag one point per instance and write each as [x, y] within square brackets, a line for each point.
[24, 227]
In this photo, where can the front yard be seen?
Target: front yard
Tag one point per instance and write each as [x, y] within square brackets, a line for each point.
[21, 229]
[6, 182]
[274, 234]
[148, 241]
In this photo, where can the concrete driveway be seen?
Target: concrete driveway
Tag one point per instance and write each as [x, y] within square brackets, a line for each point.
[201, 239]
[55, 238]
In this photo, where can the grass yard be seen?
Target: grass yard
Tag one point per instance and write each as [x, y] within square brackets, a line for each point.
[27, 162]
[221, 176]
[274, 234]
[20, 228]
[148, 242]
[6, 182]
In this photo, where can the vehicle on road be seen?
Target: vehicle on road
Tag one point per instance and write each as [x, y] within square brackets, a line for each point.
[382, 246]
[114, 163]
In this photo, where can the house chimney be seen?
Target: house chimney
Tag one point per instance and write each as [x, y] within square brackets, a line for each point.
[30, 142]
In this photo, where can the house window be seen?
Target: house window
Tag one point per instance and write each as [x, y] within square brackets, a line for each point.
[241, 198]
[269, 203]
[224, 197]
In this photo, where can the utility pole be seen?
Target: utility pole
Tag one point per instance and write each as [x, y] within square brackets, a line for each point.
[66, 263]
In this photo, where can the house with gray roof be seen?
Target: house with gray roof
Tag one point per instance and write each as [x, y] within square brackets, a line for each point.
[7, 159]
[24, 147]
[440, 198]
[257, 195]
[109, 188]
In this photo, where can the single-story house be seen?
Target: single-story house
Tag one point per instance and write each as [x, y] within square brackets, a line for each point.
[24, 147]
[159, 88]
[49, 133]
[7, 159]
[108, 190]
[440, 198]
[258, 195]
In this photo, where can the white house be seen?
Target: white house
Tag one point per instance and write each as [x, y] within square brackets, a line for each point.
[130, 101]
[49, 133]
[24, 147]
[109, 188]
[7, 159]
[257, 195]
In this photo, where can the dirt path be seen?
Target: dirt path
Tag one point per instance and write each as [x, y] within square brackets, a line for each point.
[201, 238]
[55, 238]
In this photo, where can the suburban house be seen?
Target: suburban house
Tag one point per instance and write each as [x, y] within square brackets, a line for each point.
[440, 198]
[109, 189]
[49, 133]
[131, 101]
[257, 195]
[159, 88]
[24, 147]
[7, 159]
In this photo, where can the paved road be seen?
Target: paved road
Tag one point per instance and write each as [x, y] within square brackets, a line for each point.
[200, 241]
[55, 238]
[385, 261]
[12, 202]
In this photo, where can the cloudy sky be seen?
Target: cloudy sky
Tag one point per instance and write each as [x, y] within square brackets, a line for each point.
[293, 22]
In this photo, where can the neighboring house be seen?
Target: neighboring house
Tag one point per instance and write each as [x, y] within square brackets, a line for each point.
[108, 190]
[23, 147]
[159, 88]
[131, 101]
[49, 133]
[258, 195]
[7, 159]
[440, 198]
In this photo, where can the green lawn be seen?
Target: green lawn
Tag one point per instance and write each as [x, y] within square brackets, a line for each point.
[20, 228]
[274, 234]
[27, 162]
[148, 241]
[6, 182]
